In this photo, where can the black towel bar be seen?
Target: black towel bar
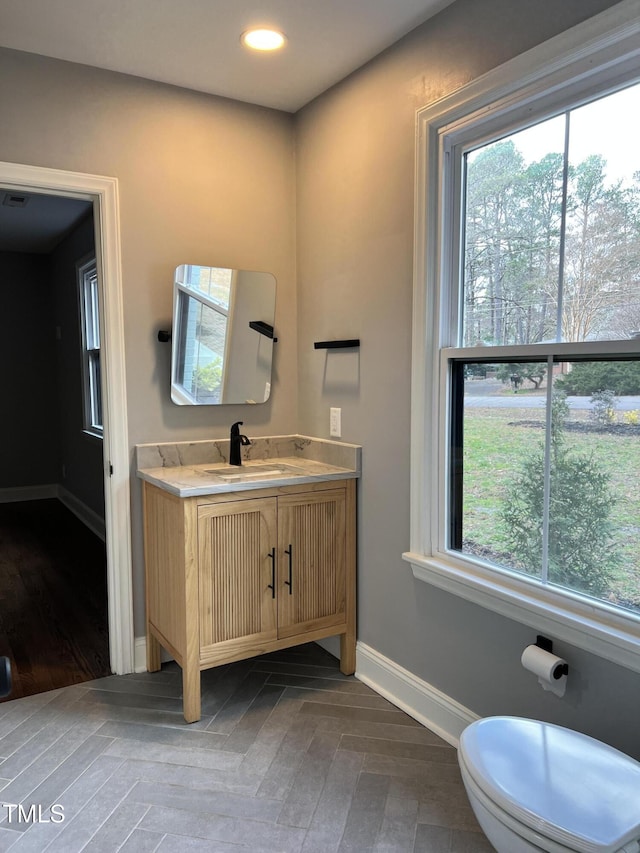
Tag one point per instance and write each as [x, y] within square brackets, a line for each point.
[352, 342]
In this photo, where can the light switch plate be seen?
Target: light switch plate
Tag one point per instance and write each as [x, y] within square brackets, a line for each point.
[335, 423]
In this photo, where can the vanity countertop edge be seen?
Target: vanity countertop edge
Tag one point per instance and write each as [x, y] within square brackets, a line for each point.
[192, 469]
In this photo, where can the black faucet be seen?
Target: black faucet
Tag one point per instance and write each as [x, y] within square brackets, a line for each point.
[236, 441]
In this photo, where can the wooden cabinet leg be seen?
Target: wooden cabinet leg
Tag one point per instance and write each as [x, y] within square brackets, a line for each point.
[348, 653]
[153, 653]
[191, 693]
[348, 639]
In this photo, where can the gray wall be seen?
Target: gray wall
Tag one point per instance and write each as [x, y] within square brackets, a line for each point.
[202, 180]
[80, 454]
[355, 194]
[249, 353]
[41, 427]
[209, 181]
[28, 426]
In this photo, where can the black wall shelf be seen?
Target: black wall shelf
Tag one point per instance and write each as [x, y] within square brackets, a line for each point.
[346, 344]
[262, 328]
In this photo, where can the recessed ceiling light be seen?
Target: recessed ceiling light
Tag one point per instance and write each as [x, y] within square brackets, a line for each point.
[262, 38]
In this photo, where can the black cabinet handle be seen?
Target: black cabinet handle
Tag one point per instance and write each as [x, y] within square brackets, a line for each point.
[272, 585]
[289, 583]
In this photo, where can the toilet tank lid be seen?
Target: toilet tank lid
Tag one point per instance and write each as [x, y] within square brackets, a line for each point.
[563, 784]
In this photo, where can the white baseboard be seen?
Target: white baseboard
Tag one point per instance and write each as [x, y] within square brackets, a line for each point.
[86, 515]
[425, 703]
[417, 698]
[140, 655]
[29, 493]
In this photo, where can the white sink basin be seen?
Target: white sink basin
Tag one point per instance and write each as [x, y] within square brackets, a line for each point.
[252, 472]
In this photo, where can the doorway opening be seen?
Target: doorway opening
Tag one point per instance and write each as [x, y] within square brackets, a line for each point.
[53, 620]
[99, 197]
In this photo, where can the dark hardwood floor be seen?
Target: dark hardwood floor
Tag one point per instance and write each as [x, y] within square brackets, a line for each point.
[53, 598]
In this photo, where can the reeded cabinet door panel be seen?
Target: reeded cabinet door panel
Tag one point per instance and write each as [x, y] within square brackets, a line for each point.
[237, 552]
[311, 561]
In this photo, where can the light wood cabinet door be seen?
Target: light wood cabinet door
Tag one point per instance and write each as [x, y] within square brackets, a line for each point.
[237, 553]
[231, 578]
[311, 562]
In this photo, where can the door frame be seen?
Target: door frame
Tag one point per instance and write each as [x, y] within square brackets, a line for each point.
[103, 193]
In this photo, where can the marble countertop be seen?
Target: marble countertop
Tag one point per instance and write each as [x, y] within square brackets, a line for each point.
[188, 469]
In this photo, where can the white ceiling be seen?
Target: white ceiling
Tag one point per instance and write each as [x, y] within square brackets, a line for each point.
[196, 43]
[39, 225]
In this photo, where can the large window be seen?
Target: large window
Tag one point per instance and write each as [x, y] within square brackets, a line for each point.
[90, 327]
[550, 219]
[527, 431]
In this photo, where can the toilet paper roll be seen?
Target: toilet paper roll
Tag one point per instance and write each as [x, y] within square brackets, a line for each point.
[551, 670]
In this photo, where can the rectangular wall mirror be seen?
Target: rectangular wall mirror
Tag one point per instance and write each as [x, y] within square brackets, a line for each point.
[222, 336]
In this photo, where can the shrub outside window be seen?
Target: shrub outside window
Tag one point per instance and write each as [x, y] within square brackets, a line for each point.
[528, 427]
[548, 484]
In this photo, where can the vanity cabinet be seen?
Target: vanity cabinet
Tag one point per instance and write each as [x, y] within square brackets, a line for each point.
[237, 574]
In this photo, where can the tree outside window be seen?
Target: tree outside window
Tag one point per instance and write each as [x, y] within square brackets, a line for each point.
[548, 484]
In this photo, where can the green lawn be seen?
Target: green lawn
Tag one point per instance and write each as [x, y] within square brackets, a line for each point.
[495, 443]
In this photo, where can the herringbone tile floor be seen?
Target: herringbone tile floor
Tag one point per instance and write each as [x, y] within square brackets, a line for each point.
[290, 755]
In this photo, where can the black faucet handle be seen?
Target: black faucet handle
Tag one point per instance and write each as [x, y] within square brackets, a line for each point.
[236, 441]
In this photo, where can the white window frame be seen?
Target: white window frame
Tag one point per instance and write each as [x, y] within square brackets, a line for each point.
[90, 337]
[182, 294]
[603, 52]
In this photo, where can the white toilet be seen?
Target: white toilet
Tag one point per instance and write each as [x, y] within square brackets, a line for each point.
[534, 786]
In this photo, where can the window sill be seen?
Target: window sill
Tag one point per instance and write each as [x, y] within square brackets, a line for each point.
[593, 627]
